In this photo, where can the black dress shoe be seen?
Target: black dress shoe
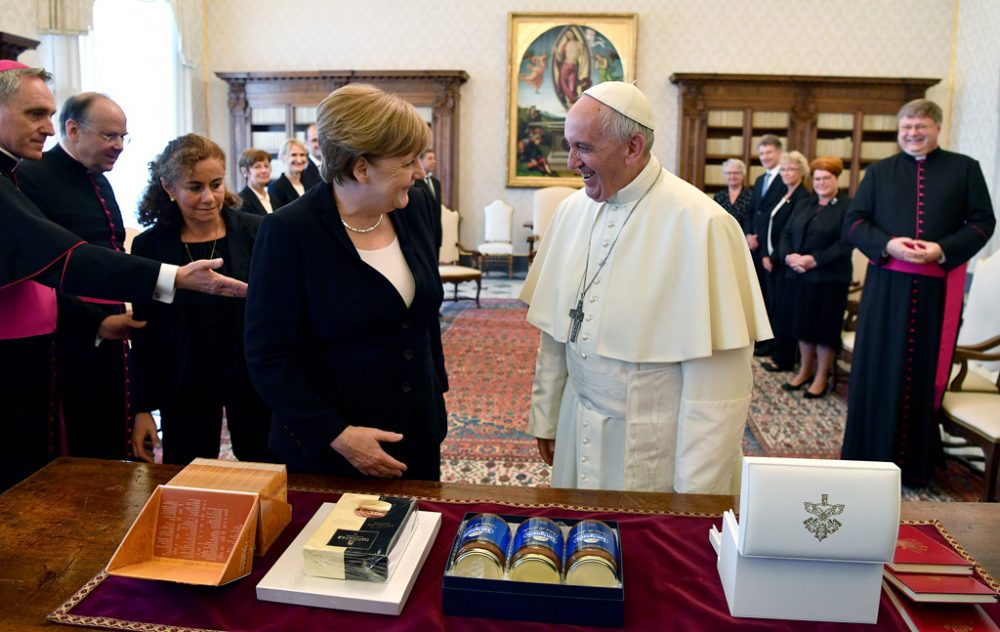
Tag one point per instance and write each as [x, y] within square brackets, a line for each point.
[788, 386]
[761, 352]
[808, 395]
[770, 367]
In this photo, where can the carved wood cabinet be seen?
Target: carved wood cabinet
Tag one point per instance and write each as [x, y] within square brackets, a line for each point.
[265, 108]
[723, 116]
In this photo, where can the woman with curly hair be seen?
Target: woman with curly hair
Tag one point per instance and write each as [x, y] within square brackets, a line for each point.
[189, 360]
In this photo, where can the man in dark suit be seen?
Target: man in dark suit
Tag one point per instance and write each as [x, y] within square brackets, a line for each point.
[91, 378]
[311, 177]
[36, 255]
[767, 190]
[428, 161]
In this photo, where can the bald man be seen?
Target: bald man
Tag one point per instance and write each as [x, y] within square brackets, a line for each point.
[91, 378]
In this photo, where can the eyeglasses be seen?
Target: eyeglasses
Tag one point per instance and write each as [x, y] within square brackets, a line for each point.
[108, 138]
[920, 127]
[789, 168]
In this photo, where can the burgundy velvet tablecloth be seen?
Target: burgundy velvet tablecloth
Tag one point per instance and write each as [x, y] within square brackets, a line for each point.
[670, 580]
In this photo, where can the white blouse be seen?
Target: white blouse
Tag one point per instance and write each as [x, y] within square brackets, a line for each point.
[392, 264]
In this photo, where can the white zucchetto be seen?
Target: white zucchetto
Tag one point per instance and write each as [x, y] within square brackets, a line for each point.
[624, 98]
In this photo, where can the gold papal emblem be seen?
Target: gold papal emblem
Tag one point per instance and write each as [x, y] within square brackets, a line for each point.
[822, 524]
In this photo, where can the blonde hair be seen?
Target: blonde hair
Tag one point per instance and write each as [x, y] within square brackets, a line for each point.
[359, 120]
[286, 147]
[793, 156]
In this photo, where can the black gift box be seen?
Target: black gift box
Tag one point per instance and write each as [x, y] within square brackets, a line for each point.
[526, 601]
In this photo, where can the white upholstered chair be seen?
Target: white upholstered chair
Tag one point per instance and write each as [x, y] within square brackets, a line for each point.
[450, 254]
[544, 203]
[497, 244]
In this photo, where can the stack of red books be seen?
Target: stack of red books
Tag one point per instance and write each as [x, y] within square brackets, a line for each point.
[933, 586]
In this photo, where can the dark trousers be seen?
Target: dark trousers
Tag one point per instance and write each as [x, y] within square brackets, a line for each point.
[784, 348]
[192, 425]
[758, 267]
[29, 414]
[93, 389]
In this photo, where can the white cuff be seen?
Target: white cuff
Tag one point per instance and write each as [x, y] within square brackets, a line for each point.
[164, 291]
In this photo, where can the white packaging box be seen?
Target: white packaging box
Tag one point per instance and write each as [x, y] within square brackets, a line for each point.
[287, 582]
[797, 555]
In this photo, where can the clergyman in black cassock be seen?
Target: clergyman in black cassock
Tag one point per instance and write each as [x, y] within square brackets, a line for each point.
[934, 200]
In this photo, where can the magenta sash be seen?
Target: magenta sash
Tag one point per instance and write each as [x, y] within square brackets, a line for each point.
[27, 309]
[954, 292]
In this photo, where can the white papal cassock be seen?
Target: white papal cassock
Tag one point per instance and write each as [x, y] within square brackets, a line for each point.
[654, 393]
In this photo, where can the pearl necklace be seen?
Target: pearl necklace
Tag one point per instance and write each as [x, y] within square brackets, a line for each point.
[363, 230]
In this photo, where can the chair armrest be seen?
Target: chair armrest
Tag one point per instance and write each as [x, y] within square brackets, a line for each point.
[528, 224]
[468, 251]
[964, 353]
[851, 317]
[533, 238]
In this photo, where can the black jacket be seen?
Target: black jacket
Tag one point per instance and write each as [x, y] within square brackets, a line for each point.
[808, 232]
[330, 342]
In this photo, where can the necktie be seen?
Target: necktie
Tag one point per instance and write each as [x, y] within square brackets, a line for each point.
[767, 181]
[430, 186]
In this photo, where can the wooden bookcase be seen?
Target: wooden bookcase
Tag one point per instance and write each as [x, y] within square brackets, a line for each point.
[723, 116]
[265, 108]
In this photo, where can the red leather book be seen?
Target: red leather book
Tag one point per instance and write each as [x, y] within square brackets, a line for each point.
[917, 552]
[940, 617]
[942, 588]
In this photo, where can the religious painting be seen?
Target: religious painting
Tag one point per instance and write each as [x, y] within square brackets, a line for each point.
[552, 59]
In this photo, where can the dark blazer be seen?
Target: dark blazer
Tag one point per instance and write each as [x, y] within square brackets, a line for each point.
[435, 208]
[776, 226]
[252, 204]
[808, 232]
[330, 343]
[160, 350]
[282, 192]
[311, 177]
[760, 207]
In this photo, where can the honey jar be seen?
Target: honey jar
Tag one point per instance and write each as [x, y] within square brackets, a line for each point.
[537, 552]
[482, 548]
[591, 555]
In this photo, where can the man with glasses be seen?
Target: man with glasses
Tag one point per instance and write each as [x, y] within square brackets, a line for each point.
[918, 216]
[91, 378]
[37, 255]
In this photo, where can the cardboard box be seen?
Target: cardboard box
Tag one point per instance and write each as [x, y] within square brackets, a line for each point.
[191, 536]
[287, 582]
[525, 601]
[775, 588]
[812, 539]
[267, 479]
[819, 509]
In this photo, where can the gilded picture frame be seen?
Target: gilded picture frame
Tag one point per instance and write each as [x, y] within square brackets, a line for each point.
[552, 58]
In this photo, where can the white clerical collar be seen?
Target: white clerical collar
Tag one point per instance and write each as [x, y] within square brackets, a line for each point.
[10, 155]
[636, 188]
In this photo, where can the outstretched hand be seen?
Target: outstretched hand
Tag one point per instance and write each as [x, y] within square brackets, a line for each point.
[200, 276]
[361, 446]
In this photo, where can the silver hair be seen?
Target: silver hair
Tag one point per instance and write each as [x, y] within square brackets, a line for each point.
[10, 80]
[735, 162]
[797, 158]
[622, 128]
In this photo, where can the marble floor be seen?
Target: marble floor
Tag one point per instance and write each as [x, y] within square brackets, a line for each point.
[501, 287]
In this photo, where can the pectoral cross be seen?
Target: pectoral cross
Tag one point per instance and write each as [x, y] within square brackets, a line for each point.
[576, 315]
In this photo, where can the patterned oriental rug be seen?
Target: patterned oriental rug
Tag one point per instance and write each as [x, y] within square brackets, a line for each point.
[490, 356]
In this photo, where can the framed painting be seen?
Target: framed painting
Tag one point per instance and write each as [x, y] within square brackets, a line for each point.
[552, 59]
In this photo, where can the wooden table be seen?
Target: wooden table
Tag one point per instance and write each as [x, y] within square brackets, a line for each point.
[60, 527]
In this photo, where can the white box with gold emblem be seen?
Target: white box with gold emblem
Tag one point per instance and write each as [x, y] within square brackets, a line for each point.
[818, 509]
[811, 541]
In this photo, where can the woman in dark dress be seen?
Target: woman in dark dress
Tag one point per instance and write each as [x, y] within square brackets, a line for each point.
[735, 198]
[817, 275]
[794, 171]
[343, 339]
[189, 358]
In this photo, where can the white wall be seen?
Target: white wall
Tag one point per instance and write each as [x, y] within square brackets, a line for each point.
[908, 38]
[892, 38]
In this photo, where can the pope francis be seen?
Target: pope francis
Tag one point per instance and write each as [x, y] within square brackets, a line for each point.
[648, 307]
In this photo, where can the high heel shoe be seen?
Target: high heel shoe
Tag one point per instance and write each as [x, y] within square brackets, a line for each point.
[788, 386]
[820, 395]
